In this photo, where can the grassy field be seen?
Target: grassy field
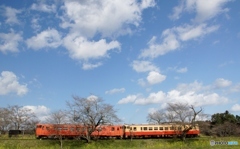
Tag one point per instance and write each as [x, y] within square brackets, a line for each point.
[29, 142]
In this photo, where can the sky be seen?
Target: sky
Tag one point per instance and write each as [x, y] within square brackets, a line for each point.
[137, 55]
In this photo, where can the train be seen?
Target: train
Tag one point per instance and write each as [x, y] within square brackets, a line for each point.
[114, 131]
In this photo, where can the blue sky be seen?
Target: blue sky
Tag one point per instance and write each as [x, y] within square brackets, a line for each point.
[137, 55]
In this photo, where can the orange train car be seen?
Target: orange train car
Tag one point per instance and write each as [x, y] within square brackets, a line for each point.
[76, 131]
[54, 130]
[108, 131]
[162, 130]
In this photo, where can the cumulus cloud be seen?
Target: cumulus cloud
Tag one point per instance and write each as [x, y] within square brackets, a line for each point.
[81, 48]
[194, 93]
[115, 90]
[91, 17]
[153, 98]
[169, 43]
[88, 66]
[155, 77]
[178, 70]
[188, 32]
[42, 112]
[182, 70]
[11, 15]
[128, 99]
[9, 84]
[221, 83]
[9, 42]
[49, 38]
[204, 10]
[235, 88]
[172, 39]
[144, 66]
[43, 7]
[92, 98]
[236, 108]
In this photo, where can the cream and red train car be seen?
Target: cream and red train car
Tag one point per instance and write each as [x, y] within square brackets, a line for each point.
[163, 130]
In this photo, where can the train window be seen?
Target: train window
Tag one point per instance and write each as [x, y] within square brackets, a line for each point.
[47, 128]
[150, 128]
[171, 128]
[113, 128]
[161, 128]
[134, 128]
[141, 128]
[144, 128]
[118, 128]
[155, 128]
[72, 129]
[166, 128]
[39, 126]
[179, 128]
[130, 128]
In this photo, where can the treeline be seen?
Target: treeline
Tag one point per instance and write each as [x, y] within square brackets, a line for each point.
[17, 118]
[221, 124]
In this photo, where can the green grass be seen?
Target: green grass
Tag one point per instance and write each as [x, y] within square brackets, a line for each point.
[29, 142]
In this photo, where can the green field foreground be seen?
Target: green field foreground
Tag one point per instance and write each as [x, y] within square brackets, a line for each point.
[197, 143]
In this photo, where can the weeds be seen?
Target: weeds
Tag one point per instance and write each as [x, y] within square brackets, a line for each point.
[32, 143]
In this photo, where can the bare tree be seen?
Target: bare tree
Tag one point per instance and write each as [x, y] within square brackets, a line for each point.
[91, 112]
[19, 115]
[156, 117]
[185, 115]
[58, 118]
[4, 119]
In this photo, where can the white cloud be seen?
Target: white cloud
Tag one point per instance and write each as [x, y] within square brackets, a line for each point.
[204, 9]
[9, 84]
[92, 98]
[91, 17]
[128, 99]
[49, 38]
[182, 70]
[142, 82]
[147, 3]
[170, 43]
[143, 66]
[194, 94]
[155, 77]
[172, 39]
[153, 98]
[9, 42]
[11, 15]
[88, 66]
[221, 83]
[177, 11]
[208, 9]
[42, 112]
[81, 49]
[188, 32]
[235, 88]
[35, 24]
[236, 108]
[115, 90]
[43, 7]
[178, 70]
